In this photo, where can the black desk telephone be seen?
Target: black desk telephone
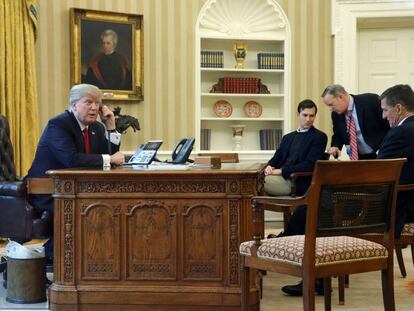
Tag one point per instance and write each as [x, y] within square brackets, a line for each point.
[182, 151]
[146, 153]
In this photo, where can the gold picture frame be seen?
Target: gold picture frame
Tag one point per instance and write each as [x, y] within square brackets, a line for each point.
[107, 51]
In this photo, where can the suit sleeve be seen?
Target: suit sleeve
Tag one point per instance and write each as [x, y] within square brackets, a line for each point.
[314, 153]
[61, 143]
[393, 143]
[337, 140]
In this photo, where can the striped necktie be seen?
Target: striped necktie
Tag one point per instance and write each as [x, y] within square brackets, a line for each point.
[350, 125]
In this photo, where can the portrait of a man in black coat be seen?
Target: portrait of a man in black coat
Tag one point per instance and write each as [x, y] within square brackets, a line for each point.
[109, 69]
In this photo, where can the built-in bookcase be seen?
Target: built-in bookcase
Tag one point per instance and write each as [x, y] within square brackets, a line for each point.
[262, 27]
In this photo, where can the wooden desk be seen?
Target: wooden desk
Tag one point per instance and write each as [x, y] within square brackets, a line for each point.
[151, 240]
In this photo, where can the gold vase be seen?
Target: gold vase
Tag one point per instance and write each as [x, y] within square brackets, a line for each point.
[239, 52]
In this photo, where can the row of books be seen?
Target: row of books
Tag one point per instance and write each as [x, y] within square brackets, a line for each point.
[205, 139]
[212, 59]
[270, 138]
[241, 85]
[273, 60]
[265, 60]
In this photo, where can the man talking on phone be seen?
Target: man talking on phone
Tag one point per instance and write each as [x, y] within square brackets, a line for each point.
[75, 139]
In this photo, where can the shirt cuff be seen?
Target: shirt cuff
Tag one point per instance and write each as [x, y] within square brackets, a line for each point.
[106, 160]
[115, 137]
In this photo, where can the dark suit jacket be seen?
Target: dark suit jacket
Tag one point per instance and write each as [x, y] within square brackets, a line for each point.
[373, 126]
[399, 143]
[62, 146]
[312, 150]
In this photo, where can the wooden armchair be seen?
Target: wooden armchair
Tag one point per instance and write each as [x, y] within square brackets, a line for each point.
[361, 202]
[288, 209]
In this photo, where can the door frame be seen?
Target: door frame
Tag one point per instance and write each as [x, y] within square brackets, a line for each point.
[345, 17]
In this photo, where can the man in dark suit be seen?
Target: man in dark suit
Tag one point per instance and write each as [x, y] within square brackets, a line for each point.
[75, 139]
[298, 152]
[365, 112]
[397, 105]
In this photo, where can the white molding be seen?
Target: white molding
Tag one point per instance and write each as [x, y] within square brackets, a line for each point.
[345, 16]
[235, 18]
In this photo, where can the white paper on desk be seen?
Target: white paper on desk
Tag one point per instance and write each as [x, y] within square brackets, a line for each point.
[168, 167]
[160, 167]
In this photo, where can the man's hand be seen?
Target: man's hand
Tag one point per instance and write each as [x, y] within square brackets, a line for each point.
[269, 170]
[334, 151]
[109, 117]
[117, 158]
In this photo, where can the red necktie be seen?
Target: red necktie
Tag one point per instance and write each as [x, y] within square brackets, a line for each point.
[352, 137]
[86, 139]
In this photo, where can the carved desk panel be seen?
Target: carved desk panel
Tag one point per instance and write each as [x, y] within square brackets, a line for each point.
[142, 239]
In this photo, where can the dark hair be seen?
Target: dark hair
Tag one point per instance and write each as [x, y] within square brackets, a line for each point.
[400, 93]
[307, 103]
[334, 90]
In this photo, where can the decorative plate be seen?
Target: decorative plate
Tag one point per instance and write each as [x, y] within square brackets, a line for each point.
[223, 109]
[252, 109]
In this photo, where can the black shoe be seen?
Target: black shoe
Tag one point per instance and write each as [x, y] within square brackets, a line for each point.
[272, 235]
[296, 290]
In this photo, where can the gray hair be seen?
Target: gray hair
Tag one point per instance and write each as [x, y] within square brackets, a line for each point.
[110, 33]
[81, 90]
[334, 90]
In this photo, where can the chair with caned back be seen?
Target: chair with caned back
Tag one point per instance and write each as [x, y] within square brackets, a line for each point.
[359, 202]
[19, 221]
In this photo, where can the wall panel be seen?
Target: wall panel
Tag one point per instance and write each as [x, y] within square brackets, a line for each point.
[167, 111]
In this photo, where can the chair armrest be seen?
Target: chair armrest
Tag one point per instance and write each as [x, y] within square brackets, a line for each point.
[407, 187]
[270, 201]
[13, 188]
[39, 185]
[295, 175]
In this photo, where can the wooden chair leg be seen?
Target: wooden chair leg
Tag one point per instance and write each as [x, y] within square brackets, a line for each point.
[245, 287]
[400, 260]
[347, 281]
[327, 289]
[341, 289]
[308, 291]
[387, 277]
[260, 275]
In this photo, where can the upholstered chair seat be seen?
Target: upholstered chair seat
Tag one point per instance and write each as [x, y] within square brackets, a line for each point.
[328, 250]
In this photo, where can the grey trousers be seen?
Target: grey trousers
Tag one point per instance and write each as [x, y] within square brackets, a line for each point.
[276, 185]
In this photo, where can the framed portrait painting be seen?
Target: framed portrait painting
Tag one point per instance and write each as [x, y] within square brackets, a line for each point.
[106, 51]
